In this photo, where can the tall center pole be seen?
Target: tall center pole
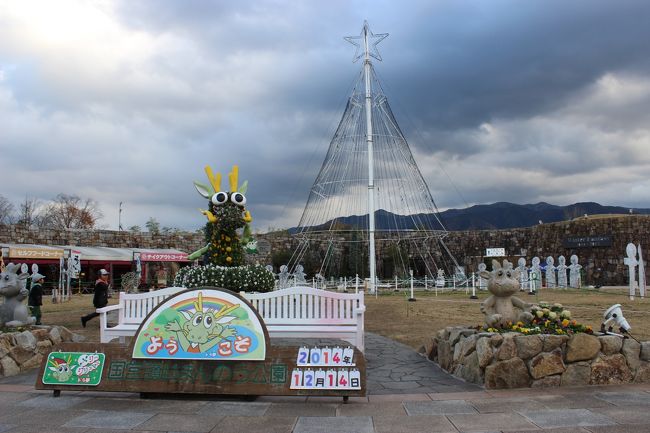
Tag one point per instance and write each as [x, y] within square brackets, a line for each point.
[371, 167]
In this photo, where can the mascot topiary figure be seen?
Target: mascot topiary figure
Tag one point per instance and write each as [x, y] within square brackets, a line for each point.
[228, 237]
[226, 215]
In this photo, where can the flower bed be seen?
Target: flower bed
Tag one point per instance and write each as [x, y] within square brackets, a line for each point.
[547, 319]
[253, 278]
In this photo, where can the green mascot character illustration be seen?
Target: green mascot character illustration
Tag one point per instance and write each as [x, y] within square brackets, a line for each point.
[61, 369]
[203, 329]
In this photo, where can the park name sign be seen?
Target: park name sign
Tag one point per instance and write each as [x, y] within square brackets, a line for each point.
[587, 241]
[205, 341]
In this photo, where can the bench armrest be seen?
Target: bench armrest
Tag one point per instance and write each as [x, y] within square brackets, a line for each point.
[107, 309]
[360, 309]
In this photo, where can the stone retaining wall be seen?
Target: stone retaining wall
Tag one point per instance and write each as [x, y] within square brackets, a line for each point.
[514, 360]
[601, 265]
[22, 351]
[184, 241]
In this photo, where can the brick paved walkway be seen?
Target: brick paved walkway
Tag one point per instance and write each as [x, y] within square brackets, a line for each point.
[427, 401]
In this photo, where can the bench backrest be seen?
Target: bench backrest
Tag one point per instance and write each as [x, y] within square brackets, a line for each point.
[306, 305]
[134, 307]
[296, 305]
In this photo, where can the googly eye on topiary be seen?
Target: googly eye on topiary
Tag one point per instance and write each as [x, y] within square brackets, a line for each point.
[238, 198]
[220, 198]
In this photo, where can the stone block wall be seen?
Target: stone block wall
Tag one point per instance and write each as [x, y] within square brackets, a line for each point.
[22, 351]
[548, 240]
[514, 360]
[184, 241]
[601, 265]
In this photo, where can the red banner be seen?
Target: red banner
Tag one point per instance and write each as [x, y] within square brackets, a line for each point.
[163, 257]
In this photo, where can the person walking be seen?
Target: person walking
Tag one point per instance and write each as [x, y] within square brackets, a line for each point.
[35, 299]
[100, 299]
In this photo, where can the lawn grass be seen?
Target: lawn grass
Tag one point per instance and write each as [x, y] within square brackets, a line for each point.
[69, 314]
[391, 314]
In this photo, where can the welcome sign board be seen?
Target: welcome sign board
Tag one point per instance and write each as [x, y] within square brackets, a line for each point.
[202, 324]
[179, 348]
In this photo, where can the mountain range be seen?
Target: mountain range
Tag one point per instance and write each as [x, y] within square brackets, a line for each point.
[500, 215]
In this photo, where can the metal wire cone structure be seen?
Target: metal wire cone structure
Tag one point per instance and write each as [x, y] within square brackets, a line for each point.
[369, 183]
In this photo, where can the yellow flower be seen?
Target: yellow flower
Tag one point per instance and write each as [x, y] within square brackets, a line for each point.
[565, 323]
[520, 323]
[559, 331]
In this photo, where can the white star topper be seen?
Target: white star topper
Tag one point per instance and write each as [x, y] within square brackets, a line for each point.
[366, 43]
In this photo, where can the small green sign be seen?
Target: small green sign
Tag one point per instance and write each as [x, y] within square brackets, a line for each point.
[73, 368]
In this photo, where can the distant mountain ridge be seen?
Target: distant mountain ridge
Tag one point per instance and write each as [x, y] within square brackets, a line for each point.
[500, 215]
[504, 215]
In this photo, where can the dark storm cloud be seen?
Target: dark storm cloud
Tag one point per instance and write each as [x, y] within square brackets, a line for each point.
[484, 61]
[518, 101]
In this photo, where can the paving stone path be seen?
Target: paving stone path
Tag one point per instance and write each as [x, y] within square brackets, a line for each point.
[406, 394]
[394, 368]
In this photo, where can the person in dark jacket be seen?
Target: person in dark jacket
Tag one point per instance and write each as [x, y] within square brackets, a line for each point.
[100, 299]
[35, 300]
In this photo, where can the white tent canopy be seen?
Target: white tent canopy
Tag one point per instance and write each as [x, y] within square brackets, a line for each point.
[98, 254]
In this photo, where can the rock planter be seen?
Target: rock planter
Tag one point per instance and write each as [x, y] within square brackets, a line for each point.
[514, 360]
[24, 350]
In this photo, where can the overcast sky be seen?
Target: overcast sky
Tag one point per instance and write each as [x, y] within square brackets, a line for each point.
[500, 100]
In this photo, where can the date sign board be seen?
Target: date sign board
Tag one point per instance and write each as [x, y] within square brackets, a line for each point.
[174, 351]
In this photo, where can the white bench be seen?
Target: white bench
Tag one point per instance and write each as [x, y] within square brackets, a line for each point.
[132, 309]
[305, 312]
[297, 312]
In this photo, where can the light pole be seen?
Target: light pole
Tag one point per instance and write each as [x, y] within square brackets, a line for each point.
[119, 218]
[366, 44]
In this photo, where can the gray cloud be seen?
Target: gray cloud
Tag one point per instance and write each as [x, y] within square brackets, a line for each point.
[127, 101]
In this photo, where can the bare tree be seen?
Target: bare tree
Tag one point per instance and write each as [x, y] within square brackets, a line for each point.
[6, 211]
[28, 212]
[71, 212]
[153, 226]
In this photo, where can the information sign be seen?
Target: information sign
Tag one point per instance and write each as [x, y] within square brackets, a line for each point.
[587, 241]
[495, 252]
